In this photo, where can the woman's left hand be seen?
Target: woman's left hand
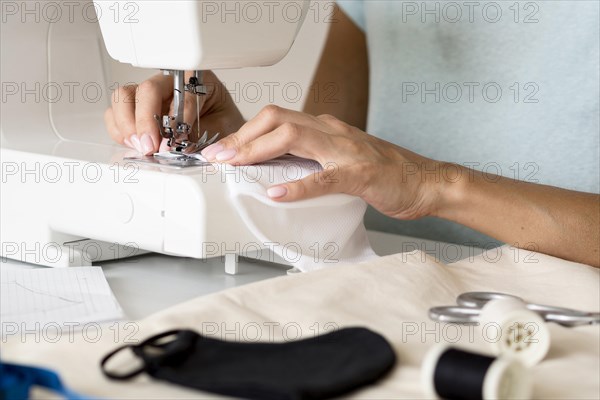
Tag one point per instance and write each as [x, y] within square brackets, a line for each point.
[395, 181]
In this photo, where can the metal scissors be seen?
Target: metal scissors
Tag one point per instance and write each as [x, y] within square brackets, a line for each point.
[469, 306]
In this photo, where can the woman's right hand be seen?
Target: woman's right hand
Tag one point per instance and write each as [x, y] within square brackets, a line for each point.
[130, 119]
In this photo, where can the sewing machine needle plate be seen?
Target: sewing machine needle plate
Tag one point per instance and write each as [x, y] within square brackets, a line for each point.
[178, 162]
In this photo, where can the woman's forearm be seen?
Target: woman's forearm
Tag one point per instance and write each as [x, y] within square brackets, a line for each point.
[405, 185]
[551, 220]
[340, 85]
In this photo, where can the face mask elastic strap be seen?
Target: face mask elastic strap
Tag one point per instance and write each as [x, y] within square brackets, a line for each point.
[137, 349]
[116, 376]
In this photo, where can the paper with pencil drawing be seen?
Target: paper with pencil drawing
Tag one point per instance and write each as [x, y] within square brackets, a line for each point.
[42, 298]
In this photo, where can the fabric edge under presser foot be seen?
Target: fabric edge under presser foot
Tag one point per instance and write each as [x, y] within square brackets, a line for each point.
[170, 159]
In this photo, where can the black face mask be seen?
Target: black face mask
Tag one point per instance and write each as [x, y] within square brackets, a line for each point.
[317, 368]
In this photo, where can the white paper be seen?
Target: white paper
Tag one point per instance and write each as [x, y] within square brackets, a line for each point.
[65, 298]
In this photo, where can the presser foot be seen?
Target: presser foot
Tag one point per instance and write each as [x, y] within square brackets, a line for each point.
[186, 147]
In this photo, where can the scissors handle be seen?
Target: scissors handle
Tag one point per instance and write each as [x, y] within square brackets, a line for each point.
[480, 299]
[470, 316]
[455, 314]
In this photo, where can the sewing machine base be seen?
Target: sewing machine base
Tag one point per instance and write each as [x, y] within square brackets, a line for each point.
[61, 211]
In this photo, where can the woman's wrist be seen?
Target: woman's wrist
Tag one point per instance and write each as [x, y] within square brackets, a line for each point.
[451, 190]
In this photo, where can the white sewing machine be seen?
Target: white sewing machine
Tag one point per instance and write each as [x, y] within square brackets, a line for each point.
[67, 196]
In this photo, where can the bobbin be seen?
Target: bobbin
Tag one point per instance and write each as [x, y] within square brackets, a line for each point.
[453, 373]
[519, 333]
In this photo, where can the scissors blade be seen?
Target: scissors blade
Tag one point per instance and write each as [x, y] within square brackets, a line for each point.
[572, 319]
[560, 315]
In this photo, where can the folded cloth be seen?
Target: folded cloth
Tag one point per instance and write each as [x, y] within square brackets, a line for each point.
[309, 234]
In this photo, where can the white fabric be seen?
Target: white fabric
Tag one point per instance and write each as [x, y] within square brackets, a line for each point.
[309, 234]
[390, 295]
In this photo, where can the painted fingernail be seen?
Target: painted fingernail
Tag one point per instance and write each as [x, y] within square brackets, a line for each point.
[127, 143]
[210, 152]
[276, 192]
[226, 155]
[136, 143]
[147, 144]
[164, 146]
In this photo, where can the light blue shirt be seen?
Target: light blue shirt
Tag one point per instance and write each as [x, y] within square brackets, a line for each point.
[507, 87]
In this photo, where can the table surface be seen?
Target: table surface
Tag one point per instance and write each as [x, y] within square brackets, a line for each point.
[152, 282]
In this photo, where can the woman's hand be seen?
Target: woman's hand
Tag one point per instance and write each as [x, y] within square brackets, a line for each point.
[405, 185]
[390, 178]
[130, 120]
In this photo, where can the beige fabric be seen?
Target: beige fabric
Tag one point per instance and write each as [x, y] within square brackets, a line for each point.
[390, 295]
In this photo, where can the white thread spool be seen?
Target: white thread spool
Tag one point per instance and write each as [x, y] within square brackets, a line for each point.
[519, 333]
